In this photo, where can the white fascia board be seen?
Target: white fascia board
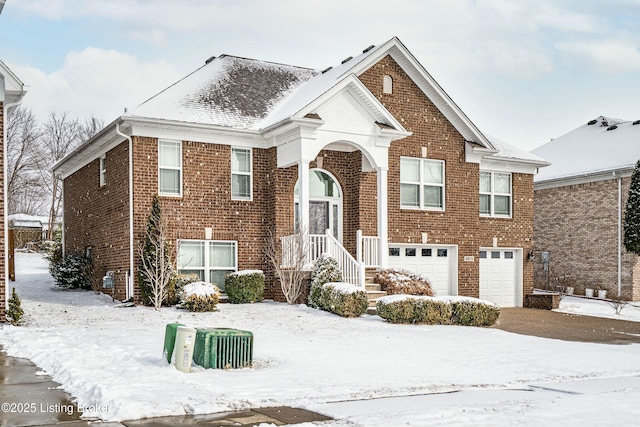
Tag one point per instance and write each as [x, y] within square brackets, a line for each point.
[185, 131]
[583, 178]
[405, 59]
[475, 154]
[291, 129]
[511, 166]
[11, 87]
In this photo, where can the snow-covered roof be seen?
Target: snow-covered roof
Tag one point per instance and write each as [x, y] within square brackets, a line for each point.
[28, 221]
[506, 151]
[603, 145]
[227, 91]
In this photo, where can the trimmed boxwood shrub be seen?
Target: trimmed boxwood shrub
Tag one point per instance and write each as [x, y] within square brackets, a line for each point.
[473, 312]
[414, 309]
[245, 286]
[174, 289]
[395, 282]
[437, 311]
[325, 270]
[200, 297]
[343, 299]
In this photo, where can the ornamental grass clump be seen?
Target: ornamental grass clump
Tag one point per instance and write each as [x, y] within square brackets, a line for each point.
[395, 282]
[245, 286]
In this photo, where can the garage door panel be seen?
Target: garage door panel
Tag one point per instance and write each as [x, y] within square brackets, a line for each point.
[498, 281]
[426, 262]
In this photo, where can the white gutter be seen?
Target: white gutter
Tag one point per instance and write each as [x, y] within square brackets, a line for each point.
[130, 280]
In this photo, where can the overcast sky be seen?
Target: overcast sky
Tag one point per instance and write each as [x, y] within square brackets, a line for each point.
[524, 71]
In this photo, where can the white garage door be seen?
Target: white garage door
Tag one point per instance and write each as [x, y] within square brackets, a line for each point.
[498, 277]
[437, 263]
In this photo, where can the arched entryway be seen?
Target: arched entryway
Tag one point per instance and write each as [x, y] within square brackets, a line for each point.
[325, 203]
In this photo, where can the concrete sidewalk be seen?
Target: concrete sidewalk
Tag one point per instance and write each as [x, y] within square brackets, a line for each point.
[30, 398]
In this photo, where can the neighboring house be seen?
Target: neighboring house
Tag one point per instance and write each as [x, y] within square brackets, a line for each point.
[11, 93]
[28, 228]
[372, 157]
[579, 207]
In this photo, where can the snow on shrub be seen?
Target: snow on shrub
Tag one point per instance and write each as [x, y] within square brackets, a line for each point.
[403, 282]
[472, 311]
[200, 296]
[325, 270]
[414, 309]
[344, 299]
[245, 286]
[446, 310]
[174, 289]
[71, 270]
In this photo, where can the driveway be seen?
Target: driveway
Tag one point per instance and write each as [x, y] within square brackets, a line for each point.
[568, 327]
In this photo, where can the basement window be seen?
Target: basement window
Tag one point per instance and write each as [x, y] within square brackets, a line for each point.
[210, 260]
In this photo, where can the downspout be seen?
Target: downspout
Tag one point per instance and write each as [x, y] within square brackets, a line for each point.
[5, 204]
[129, 288]
[619, 236]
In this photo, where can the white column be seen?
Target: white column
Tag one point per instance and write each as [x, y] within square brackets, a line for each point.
[383, 228]
[303, 196]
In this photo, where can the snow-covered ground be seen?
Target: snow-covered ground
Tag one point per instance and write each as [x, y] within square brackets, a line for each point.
[360, 371]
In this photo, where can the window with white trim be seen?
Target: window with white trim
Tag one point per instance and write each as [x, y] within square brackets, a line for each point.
[421, 183]
[495, 194]
[387, 84]
[210, 260]
[103, 170]
[169, 168]
[241, 174]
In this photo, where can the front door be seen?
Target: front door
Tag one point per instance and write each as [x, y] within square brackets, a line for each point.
[318, 216]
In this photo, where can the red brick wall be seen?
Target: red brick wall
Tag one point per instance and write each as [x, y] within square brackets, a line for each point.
[3, 283]
[99, 216]
[578, 225]
[460, 223]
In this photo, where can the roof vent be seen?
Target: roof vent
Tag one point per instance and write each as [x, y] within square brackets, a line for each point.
[604, 124]
[347, 60]
[612, 127]
[369, 48]
[592, 122]
[326, 69]
[210, 59]
[637, 122]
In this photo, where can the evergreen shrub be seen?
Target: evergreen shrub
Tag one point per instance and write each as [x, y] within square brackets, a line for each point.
[199, 297]
[245, 286]
[325, 270]
[15, 312]
[414, 309]
[473, 312]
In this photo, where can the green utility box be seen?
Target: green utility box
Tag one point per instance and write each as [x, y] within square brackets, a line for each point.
[222, 348]
[170, 340]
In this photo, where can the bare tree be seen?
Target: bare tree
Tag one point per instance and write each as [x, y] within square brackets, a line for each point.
[25, 192]
[155, 269]
[61, 134]
[289, 259]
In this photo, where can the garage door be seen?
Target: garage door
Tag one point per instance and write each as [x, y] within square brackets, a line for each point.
[498, 277]
[434, 262]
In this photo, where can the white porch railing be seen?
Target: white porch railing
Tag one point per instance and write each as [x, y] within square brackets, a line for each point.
[368, 248]
[353, 271]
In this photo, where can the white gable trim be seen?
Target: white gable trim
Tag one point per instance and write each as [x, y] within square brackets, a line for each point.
[11, 87]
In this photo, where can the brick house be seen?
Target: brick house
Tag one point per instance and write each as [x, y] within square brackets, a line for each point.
[579, 207]
[11, 93]
[372, 157]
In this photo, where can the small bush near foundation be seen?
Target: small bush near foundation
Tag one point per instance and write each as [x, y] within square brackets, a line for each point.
[200, 297]
[325, 270]
[414, 309]
[71, 271]
[245, 286]
[174, 289]
[343, 299]
[473, 312]
[403, 282]
[15, 312]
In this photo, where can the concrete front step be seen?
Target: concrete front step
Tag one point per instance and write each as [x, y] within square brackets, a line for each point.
[372, 287]
[374, 295]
